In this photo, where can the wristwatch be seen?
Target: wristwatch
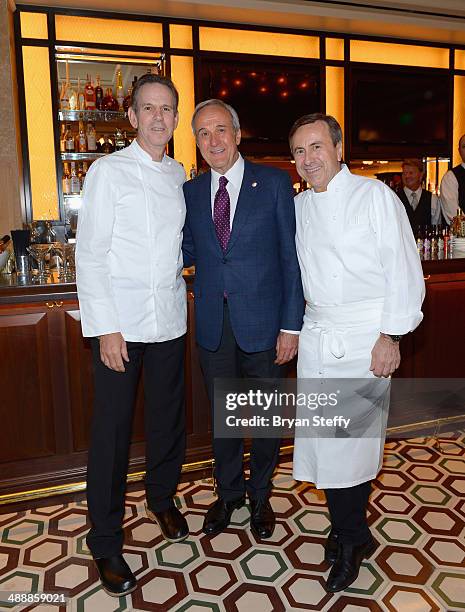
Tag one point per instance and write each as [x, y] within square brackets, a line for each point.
[394, 337]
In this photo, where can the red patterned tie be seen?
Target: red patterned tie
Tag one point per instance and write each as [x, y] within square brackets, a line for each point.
[221, 213]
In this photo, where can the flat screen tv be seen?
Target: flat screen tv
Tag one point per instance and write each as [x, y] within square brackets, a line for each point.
[403, 110]
[268, 98]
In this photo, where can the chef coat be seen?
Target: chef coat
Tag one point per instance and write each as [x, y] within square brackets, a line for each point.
[128, 253]
[361, 275]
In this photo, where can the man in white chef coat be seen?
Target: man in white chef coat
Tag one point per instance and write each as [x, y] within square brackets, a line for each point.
[132, 299]
[363, 285]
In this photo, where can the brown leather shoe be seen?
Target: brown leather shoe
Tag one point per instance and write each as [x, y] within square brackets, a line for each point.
[116, 575]
[219, 515]
[262, 518]
[172, 523]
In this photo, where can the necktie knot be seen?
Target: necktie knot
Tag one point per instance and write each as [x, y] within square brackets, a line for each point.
[414, 200]
[223, 182]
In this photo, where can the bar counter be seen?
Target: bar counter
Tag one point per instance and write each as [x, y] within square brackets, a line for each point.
[46, 379]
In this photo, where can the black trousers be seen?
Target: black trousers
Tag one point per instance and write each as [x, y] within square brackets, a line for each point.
[164, 421]
[230, 361]
[348, 511]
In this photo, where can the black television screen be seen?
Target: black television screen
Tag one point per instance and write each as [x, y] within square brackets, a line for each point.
[268, 98]
[399, 108]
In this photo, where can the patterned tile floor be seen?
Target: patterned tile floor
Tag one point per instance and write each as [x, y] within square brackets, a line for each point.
[417, 514]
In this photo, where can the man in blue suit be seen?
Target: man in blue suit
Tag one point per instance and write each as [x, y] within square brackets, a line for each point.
[240, 234]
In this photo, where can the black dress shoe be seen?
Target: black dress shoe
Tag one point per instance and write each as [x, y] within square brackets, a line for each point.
[172, 523]
[219, 514]
[262, 519]
[116, 576]
[331, 547]
[347, 565]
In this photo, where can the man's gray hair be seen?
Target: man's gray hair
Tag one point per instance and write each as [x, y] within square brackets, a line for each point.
[215, 102]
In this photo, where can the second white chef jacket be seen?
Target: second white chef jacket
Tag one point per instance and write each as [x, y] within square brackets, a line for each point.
[128, 253]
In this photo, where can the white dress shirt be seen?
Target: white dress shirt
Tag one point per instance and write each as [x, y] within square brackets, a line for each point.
[449, 195]
[435, 205]
[235, 174]
[355, 244]
[128, 253]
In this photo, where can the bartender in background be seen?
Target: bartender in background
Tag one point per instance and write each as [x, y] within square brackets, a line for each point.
[453, 187]
[422, 206]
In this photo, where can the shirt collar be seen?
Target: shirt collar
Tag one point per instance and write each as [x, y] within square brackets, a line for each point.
[408, 192]
[234, 175]
[141, 154]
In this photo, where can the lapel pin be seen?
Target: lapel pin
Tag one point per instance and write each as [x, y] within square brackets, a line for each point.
[254, 184]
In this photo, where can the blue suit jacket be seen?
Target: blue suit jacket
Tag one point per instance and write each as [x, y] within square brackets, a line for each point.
[258, 271]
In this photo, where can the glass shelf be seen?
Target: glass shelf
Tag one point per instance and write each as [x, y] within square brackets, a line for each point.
[81, 156]
[91, 115]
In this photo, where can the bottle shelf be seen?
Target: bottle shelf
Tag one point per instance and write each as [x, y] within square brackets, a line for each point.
[91, 115]
[81, 156]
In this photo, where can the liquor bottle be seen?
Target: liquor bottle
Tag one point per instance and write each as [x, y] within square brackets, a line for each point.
[66, 180]
[64, 99]
[192, 172]
[83, 170]
[89, 94]
[62, 138]
[119, 140]
[98, 94]
[81, 99]
[420, 242]
[69, 140]
[107, 146]
[91, 137]
[82, 140]
[119, 90]
[128, 99]
[434, 243]
[75, 183]
[109, 103]
[440, 242]
[427, 244]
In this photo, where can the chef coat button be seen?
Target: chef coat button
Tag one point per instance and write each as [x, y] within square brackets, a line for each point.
[179, 210]
[171, 287]
[334, 217]
[334, 275]
[334, 247]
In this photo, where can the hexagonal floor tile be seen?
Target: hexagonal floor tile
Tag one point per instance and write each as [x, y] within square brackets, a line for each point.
[419, 454]
[71, 576]
[230, 544]
[70, 523]
[97, 599]
[159, 590]
[194, 521]
[196, 605]
[313, 521]
[143, 533]
[10, 517]
[438, 521]
[428, 473]
[455, 484]
[310, 495]
[445, 551]
[307, 553]
[429, 494]
[138, 560]
[450, 587]
[18, 582]
[402, 564]
[453, 466]
[306, 592]
[178, 554]
[450, 447]
[409, 598]
[200, 497]
[213, 577]
[46, 552]
[249, 597]
[22, 532]
[393, 461]
[283, 481]
[391, 480]
[393, 503]
[368, 582]
[460, 507]
[354, 604]
[263, 565]
[398, 531]
[49, 510]
[284, 505]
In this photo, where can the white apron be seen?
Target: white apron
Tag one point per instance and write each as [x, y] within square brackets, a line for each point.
[336, 342]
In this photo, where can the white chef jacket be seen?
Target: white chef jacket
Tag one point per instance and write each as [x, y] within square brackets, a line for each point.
[361, 275]
[449, 195]
[363, 250]
[128, 252]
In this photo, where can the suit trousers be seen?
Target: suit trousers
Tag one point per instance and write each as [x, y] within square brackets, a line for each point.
[348, 511]
[230, 361]
[164, 422]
